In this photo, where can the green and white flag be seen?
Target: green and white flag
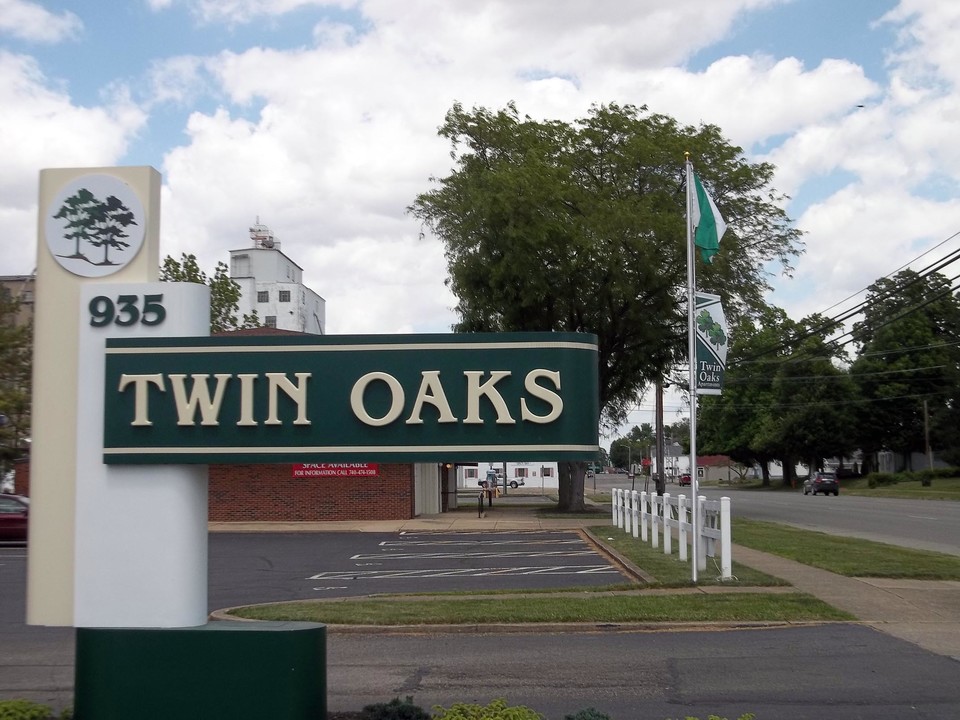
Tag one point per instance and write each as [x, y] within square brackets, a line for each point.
[712, 342]
[709, 224]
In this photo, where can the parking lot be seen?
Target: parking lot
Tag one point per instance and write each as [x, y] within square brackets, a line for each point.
[252, 568]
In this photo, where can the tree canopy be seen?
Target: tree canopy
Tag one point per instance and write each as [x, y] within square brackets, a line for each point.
[16, 362]
[909, 352]
[580, 226]
[224, 291]
[792, 394]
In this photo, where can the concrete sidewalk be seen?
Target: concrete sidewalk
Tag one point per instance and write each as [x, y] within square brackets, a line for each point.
[926, 613]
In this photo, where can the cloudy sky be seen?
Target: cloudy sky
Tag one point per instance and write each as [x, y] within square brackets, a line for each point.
[320, 117]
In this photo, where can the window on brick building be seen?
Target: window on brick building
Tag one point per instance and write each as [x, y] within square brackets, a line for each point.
[284, 296]
[270, 321]
[263, 296]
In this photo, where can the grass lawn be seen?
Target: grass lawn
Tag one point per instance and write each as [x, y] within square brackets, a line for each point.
[938, 489]
[668, 570]
[848, 556]
[555, 608]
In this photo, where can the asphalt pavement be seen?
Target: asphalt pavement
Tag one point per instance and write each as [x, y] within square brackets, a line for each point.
[924, 612]
[37, 663]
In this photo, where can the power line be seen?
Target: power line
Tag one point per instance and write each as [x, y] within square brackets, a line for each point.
[922, 274]
[852, 401]
[841, 376]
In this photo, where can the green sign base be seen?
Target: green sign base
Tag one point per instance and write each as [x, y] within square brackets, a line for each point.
[221, 670]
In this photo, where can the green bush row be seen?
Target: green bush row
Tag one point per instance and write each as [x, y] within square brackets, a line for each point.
[496, 710]
[879, 479]
[393, 710]
[26, 710]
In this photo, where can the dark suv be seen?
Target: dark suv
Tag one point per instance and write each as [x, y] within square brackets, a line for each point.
[821, 482]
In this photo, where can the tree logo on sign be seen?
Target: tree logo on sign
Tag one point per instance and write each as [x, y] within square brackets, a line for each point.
[95, 225]
[711, 329]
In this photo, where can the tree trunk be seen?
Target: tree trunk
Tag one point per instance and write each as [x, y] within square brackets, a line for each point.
[789, 472]
[570, 493]
[765, 472]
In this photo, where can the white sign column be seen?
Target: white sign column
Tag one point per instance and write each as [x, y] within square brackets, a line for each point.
[111, 549]
[141, 530]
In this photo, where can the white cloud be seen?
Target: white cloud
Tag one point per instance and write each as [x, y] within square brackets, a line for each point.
[30, 21]
[43, 128]
[754, 98]
[928, 53]
[861, 234]
[329, 143]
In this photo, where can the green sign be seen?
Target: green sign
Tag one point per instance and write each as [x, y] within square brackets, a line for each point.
[711, 340]
[358, 398]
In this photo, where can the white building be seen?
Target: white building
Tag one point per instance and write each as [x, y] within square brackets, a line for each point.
[272, 285]
[530, 475]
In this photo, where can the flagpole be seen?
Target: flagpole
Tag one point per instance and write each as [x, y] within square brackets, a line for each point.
[692, 352]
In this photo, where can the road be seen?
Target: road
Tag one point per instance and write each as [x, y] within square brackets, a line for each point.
[828, 672]
[922, 524]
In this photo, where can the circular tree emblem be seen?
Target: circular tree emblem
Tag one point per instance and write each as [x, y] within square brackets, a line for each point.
[95, 225]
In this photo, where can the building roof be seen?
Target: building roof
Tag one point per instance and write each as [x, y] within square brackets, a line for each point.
[262, 331]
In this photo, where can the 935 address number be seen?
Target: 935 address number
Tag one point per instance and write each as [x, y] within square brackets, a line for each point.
[127, 310]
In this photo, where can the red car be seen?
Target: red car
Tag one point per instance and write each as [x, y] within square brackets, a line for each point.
[685, 479]
[14, 510]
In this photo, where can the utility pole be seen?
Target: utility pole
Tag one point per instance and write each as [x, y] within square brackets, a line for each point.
[926, 436]
[661, 478]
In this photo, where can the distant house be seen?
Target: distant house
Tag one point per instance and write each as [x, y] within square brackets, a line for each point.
[531, 475]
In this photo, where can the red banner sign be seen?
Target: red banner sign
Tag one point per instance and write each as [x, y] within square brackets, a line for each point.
[335, 470]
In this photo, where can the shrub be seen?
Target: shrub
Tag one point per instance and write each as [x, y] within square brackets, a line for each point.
[394, 710]
[588, 714]
[882, 479]
[23, 710]
[924, 476]
[496, 710]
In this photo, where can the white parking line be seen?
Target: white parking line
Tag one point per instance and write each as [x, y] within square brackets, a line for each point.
[466, 572]
[473, 543]
[478, 554]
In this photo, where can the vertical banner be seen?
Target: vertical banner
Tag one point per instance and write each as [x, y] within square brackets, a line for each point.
[712, 341]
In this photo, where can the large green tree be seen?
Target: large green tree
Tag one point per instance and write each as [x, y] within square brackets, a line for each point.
[579, 226]
[735, 423]
[632, 448]
[224, 291]
[812, 416]
[787, 396]
[908, 352]
[16, 354]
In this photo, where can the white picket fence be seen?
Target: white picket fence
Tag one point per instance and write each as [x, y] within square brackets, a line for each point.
[651, 517]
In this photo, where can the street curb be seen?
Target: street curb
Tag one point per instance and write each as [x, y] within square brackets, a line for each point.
[518, 628]
[625, 565]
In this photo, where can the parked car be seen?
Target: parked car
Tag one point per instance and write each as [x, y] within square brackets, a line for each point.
[685, 479]
[516, 482]
[821, 482]
[14, 511]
